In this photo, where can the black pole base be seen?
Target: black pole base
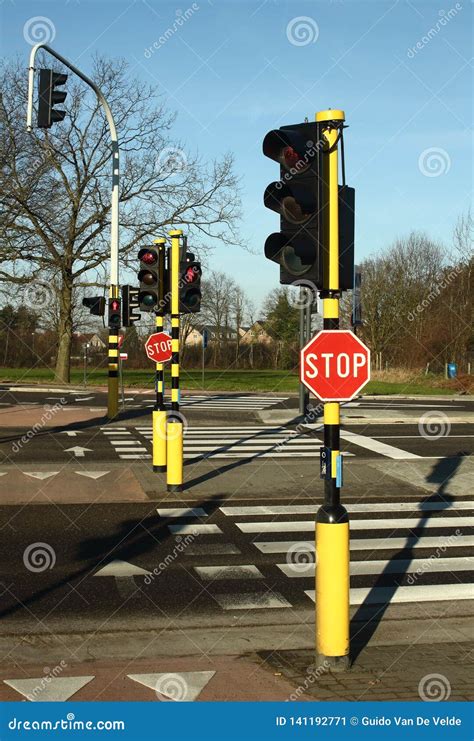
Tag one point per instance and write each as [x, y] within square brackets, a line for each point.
[175, 488]
[159, 469]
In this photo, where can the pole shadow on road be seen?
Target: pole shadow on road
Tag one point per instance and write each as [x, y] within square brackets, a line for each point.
[133, 538]
[369, 614]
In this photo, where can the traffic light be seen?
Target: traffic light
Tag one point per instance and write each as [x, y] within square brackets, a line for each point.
[148, 279]
[114, 313]
[48, 97]
[95, 304]
[130, 303]
[296, 197]
[189, 284]
[300, 199]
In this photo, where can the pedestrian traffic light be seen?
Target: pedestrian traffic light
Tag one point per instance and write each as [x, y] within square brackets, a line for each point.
[130, 304]
[189, 284]
[95, 304]
[48, 97]
[114, 313]
[148, 279]
[300, 197]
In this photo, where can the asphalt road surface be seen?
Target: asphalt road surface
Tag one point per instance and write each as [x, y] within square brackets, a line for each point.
[220, 401]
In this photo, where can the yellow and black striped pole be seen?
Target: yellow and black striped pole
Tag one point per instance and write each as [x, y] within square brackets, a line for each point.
[174, 428]
[112, 377]
[159, 412]
[332, 521]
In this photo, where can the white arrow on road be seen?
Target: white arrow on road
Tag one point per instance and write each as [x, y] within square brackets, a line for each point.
[71, 433]
[78, 451]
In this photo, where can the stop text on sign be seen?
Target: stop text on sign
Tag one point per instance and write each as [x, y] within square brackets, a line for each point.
[342, 365]
[158, 347]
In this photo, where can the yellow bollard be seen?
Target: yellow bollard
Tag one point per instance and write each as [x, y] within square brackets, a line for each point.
[174, 471]
[159, 440]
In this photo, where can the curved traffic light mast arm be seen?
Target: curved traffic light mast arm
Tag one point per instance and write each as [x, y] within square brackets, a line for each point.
[114, 217]
[114, 242]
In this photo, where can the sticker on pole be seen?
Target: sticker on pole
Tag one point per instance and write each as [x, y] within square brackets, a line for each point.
[158, 347]
[335, 365]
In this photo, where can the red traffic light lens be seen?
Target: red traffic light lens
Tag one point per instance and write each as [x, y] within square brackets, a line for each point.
[149, 258]
[114, 305]
[290, 156]
[191, 275]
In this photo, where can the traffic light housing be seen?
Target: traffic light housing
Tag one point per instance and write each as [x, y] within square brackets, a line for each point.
[114, 314]
[48, 97]
[189, 284]
[95, 304]
[130, 304]
[148, 279]
[299, 197]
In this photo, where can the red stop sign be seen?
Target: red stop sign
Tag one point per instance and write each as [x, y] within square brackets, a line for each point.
[158, 347]
[335, 365]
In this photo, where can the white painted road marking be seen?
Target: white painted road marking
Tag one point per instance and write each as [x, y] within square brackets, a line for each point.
[388, 566]
[307, 509]
[428, 593]
[376, 544]
[384, 524]
[377, 447]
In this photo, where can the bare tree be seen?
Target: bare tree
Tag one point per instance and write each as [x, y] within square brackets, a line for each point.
[55, 186]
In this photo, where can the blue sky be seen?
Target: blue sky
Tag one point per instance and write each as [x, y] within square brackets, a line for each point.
[234, 70]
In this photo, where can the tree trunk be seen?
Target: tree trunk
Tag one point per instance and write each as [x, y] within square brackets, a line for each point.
[63, 358]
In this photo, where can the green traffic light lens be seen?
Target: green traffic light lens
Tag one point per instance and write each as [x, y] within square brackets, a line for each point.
[148, 300]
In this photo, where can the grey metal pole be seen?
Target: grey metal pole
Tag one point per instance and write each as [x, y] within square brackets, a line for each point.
[112, 400]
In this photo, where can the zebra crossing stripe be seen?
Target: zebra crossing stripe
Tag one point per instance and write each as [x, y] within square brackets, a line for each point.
[373, 544]
[307, 509]
[194, 529]
[182, 512]
[386, 566]
[428, 593]
[383, 524]
[211, 573]
[251, 601]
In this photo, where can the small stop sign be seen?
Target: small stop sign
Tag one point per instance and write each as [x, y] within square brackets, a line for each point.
[335, 365]
[158, 347]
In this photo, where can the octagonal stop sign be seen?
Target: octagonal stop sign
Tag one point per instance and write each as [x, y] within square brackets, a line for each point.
[335, 365]
[158, 347]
